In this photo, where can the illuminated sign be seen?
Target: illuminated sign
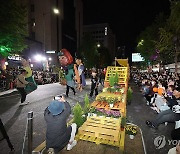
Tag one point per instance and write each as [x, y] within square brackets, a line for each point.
[136, 57]
[16, 57]
[51, 51]
[105, 32]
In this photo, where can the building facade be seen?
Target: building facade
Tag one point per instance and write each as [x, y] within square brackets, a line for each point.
[72, 25]
[55, 30]
[103, 35]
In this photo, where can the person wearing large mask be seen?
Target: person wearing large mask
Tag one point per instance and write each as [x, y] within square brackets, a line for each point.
[71, 73]
[29, 76]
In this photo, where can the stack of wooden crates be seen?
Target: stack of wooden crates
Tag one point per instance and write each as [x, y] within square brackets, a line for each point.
[102, 129]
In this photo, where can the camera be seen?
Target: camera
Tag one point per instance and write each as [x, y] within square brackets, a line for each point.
[57, 97]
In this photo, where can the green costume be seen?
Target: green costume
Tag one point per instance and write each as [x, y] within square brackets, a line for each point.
[30, 87]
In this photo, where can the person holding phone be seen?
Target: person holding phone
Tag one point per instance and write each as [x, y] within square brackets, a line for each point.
[58, 135]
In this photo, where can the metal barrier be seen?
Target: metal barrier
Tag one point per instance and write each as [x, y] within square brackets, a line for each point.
[144, 146]
[28, 133]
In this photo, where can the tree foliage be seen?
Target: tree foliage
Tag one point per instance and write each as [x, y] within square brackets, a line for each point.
[104, 57]
[162, 39]
[12, 27]
[148, 38]
[88, 50]
[169, 42]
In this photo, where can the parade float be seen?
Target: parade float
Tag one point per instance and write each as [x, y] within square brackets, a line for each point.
[106, 118]
[104, 121]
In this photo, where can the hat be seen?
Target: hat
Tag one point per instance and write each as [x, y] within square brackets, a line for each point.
[60, 53]
[57, 97]
[56, 107]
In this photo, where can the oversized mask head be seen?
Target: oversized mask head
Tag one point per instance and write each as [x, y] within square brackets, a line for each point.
[65, 57]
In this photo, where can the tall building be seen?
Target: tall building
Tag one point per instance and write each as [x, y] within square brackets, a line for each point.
[45, 24]
[79, 21]
[52, 29]
[103, 35]
[72, 25]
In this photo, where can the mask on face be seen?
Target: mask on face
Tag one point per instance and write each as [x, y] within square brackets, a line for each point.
[63, 60]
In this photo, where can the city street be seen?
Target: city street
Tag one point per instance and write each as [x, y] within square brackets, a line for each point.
[134, 44]
[15, 117]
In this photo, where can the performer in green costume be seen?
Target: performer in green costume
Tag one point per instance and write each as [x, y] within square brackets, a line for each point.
[29, 77]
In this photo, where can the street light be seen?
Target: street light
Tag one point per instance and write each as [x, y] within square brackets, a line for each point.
[39, 58]
[140, 43]
[56, 11]
[98, 45]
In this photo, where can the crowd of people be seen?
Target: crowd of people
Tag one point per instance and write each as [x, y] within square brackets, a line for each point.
[161, 91]
[8, 76]
[162, 94]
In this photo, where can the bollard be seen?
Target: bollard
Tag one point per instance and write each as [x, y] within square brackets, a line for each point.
[30, 131]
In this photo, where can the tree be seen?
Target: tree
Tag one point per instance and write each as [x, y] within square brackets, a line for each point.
[88, 50]
[169, 42]
[104, 57]
[148, 38]
[13, 28]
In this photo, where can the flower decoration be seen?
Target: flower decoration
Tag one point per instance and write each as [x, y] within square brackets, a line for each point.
[131, 130]
[113, 113]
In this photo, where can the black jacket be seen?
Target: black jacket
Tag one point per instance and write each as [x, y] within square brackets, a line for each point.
[57, 134]
[171, 101]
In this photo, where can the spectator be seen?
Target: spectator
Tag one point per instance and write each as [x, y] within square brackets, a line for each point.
[58, 135]
[168, 115]
[101, 77]
[175, 150]
[94, 83]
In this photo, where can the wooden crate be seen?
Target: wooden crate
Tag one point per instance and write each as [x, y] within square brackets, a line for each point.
[124, 83]
[122, 73]
[100, 130]
[103, 105]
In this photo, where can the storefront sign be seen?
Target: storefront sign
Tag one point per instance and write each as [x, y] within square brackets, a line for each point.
[14, 57]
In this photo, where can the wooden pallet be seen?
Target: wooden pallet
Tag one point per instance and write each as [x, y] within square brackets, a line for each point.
[122, 73]
[123, 83]
[103, 105]
[100, 130]
[106, 94]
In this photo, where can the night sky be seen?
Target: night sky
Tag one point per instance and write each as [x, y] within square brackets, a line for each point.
[127, 18]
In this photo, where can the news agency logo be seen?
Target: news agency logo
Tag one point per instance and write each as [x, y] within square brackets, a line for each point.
[160, 142]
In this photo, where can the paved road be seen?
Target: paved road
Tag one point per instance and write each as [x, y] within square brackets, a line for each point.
[15, 117]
